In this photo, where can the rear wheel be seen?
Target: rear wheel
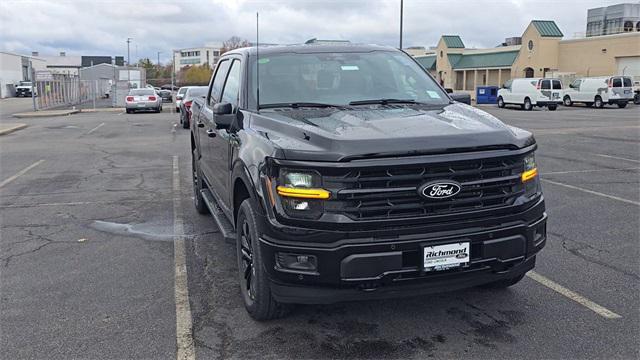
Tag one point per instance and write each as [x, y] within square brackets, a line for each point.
[185, 122]
[198, 200]
[501, 284]
[500, 102]
[597, 102]
[527, 104]
[567, 101]
[622, 105]
[254, 285]
[129, 111]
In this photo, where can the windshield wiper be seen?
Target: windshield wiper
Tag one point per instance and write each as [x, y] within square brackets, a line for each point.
[296, 105]
[383, 101]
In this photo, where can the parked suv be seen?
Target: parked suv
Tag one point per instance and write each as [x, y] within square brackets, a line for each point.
[345, 172]
[530, 92]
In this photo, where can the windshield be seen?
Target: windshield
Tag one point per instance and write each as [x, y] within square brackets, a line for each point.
[142, 92]
[182, 91]
[197, 91]
[343, 78]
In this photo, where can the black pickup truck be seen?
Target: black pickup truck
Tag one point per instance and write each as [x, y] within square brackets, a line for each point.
[345, 172]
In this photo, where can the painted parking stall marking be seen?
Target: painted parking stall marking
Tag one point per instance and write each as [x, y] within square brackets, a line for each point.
[598, 309]
[184, 329]
[20, 173]
[592, 192]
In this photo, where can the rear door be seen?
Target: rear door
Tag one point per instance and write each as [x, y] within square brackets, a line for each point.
[205, 125]
[557, 90]
[545, 90]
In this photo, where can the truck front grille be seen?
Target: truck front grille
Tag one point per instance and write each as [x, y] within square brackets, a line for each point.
[383, 193]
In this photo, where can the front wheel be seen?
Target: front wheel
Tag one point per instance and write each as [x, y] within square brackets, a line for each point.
[254, 284]
[552, 107]
[597, 102]
[622, 105]
[527, 105]
[567, 101]
[500, 102]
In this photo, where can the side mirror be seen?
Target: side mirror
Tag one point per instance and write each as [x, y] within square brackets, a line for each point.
[222, 115]
[449, 90]
[463, 98]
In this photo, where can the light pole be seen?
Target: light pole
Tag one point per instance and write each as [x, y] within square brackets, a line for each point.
[128, 63]
[401, 13]
[159, 52]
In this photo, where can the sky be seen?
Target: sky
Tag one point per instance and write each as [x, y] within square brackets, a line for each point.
[101, 27]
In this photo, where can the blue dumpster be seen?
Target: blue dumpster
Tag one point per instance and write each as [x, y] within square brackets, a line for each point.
[487, 94]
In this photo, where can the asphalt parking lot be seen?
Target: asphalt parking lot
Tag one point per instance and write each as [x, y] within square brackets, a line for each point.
[92, 206]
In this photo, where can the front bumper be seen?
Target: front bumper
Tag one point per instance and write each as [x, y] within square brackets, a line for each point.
[366, 265]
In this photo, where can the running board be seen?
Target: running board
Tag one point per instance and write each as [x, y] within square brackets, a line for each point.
[226, 228]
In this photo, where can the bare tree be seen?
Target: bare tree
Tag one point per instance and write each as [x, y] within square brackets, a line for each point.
[234, 42]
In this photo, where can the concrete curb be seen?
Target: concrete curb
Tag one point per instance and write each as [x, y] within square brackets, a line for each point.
[45, 113]
[102, 110]
[11, 128]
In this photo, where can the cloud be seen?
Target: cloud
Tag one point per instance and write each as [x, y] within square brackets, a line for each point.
[102, 27]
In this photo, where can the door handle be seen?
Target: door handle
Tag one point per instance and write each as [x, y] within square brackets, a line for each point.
[211, 133]
[200, 124]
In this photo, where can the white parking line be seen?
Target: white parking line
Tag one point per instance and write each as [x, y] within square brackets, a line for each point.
[592, 192]
[617, 157]
[588, 171]
[95, 128]
[600, 310]
[184, 331]
[20, 173]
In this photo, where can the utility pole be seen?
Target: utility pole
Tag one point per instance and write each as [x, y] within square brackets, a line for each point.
[173, 70]
[158, 63]
[401, 13]
[128, 63]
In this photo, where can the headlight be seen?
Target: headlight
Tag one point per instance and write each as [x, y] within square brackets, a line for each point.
[530, 168]
[301, 194]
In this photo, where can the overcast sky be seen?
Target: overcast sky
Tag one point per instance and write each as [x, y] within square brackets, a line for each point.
[101, 27]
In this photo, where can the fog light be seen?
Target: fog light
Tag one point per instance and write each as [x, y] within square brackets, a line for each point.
[301, 262]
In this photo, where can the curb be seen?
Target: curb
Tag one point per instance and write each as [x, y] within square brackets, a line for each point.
[102, 110]
[11, 129]
[45, 113]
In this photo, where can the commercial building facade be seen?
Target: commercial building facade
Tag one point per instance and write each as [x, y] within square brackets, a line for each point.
[208, 54]
[542, 53]
[614, 19]
[15, 68]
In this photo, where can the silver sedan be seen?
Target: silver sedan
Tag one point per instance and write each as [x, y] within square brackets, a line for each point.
[143, 99]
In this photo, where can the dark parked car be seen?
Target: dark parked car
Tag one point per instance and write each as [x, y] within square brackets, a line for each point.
[166, 95]
[190, 94]
[169, 87]
[352, 175]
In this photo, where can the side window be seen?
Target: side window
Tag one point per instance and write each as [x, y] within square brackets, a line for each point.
[232, 86]
[617, 82]
[557, 85]
[627, 82]
[546, 84]
[507, 85]
[218, 81]
[576, 84]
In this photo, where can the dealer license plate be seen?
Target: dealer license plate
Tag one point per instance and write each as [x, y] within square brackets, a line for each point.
[444, 257]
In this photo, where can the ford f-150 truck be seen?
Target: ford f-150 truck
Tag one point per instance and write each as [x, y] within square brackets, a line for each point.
[345, 172]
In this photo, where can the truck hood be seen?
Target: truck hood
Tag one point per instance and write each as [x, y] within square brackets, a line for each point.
[336, 134]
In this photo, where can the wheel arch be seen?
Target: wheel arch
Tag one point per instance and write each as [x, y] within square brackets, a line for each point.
[244, 187]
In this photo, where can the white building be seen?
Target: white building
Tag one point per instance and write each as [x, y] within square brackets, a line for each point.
[208, 54]
[63, 64]
[15, 68]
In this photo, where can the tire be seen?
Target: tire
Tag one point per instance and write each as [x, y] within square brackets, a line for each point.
[588, 104]
[597, 102]
[129, 111]
[254, 284]
[622, 105]
[527, 104]
[502, 284]
[501, 104]
[636, 99]
[567, 101]
[196, 175]
[552, 107]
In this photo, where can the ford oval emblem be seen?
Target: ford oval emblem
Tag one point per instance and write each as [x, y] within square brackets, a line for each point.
[440, 189]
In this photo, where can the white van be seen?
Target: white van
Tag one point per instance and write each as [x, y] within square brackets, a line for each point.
[598, 91]
[530, 92]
